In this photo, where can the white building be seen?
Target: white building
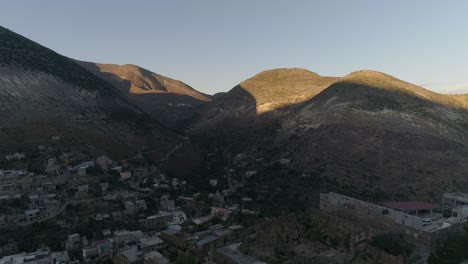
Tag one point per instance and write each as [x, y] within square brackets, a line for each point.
[16, 156]
[178, 217]
[458, 202]
[213, 182]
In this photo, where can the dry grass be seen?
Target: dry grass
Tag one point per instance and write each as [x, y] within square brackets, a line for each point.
[276, 88]
[282, 87]
[142, 81]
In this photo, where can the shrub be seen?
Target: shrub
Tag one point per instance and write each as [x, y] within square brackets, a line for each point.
[392, 243]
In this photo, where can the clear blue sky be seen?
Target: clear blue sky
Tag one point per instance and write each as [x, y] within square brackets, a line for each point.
[214, 44]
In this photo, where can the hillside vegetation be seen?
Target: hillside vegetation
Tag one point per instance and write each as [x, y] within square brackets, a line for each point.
[281, 87]
[44, 94]
[367, 132]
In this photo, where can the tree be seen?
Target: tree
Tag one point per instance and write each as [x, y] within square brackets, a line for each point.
[94, 170]
[452, 250]
[392, 243]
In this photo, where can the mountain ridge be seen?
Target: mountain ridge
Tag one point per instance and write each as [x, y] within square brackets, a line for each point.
[363, 131]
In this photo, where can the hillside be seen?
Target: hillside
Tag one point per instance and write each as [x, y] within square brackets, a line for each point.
[362, 134]
[278, 88]
[169, 101]
[43, 94]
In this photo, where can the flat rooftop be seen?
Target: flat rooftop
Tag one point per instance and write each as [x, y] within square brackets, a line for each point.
[411, 205]
[457, 196]
[232, 252]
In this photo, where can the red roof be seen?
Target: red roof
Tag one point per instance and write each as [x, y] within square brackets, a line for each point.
[410, 206]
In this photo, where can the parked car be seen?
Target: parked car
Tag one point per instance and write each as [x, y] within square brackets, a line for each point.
[426, 222]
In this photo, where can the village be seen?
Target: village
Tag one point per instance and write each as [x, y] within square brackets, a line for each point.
[88, 208]
[129, 212]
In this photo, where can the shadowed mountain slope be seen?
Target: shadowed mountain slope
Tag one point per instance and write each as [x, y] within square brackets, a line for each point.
[43, 94]
[365, 132]
[169, 101]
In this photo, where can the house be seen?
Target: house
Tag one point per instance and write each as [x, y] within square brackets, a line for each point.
[16, 156]
[125, 175]
[106, 232]
[8, 188]
[73, 241]
[41, 256]
[154, 257]
[141, 205]
[284, 161]
[117, 169]
[60, 257]
[185, 199]
[130, 255]
[458, 202]
[133, 207]
[104, 186]
[51, 162]
[52, 167]
[222, 213]
[42, 147]
[175, 182]
[49, 186]
[218, 197]
[178, 217]
[86, 164]
[206, 242]
[129, 207]
[81, 168]
[55, 138]
[250, 174]
[90, 253]
[3, 220]
[247, 199]
[213, 182]
[140, 172]
[178, 238]
[159, 220]
[116, 215]
[83, 188]
[104, 248]
[151, 243]
[201, 220]
[123, 237]
[166, 204]
[240, 157]
[232, 254]
[81, 171]
[98, 217]
[32, 215]
[104, 162]
[82, 191]
[12, 173]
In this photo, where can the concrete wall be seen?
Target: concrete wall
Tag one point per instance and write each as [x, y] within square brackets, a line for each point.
[372, 216]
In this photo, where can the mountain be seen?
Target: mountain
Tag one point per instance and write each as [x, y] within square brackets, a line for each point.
[44, 94]
[366, 134]
[169, 101]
